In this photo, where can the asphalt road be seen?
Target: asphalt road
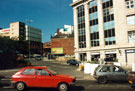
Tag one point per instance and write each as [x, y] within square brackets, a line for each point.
[84, 82]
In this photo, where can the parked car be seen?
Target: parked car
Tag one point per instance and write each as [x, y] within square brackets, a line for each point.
[39, 58]
[41, 77]
[73, 62]
[131, 79]
[104, 73]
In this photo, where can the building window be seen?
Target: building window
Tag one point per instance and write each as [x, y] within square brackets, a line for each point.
[108, 14]
[94, 29]
[131, 36]
[109, 26]
[107, 3]
[130, 3]
[131, 20]
[81, 27]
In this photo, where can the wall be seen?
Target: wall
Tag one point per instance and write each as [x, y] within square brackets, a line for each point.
[66, 43]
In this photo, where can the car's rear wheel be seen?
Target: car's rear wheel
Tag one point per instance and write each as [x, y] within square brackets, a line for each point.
[20, 86]
[102, 79]
[63, 87]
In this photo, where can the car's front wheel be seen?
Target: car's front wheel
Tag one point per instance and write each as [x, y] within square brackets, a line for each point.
[63, 87]
[20, 86]
[102, 79]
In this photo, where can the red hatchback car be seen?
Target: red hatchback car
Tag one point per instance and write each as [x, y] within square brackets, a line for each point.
[41, 77]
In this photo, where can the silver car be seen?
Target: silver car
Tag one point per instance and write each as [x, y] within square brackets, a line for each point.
[104, 73]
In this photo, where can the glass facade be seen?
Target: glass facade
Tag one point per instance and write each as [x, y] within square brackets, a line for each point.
[109, 25]
[94, 29]
[81, 27]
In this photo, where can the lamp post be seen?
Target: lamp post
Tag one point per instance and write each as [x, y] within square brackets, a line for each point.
[29, 21]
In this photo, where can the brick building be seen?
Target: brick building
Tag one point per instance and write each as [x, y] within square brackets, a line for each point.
[46, 49]
[63, 43]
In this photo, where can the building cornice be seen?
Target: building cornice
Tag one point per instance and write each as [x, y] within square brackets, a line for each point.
[77, 2]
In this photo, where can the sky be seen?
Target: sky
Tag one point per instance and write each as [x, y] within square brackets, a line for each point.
[47, 15]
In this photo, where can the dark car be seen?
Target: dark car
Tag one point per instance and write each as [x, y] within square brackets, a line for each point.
[104, 73]
[39, 58]
[73, 62]
[131, 79]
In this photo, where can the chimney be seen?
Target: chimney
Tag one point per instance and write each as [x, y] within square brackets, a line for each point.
[58, 32]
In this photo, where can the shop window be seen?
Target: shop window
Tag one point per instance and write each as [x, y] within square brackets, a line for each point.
[110, 57]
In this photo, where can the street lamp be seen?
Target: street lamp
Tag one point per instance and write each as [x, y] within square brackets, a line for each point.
[29, 21]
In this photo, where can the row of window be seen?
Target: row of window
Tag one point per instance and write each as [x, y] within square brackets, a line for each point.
[82, 44]
[93, 9]
[94, 35]
[93, 22]
[95, 43]
[80, 9]
[107, 11]
[94, 39]
[81, 20]
[109, 33]
[107, 4]
[81, 14]
[110, 41]
[82, 25]
[109, 18]
[82, 38]
[82, 31]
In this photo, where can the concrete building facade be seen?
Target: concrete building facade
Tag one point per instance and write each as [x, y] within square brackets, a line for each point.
[5, 32]
[105, 29]
[17, 30]
[33, 34]
[20, 31]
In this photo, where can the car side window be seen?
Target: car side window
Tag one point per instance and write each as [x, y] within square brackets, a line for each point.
[28, 72]
[41, 72]
[105, 69]
[117, 69]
